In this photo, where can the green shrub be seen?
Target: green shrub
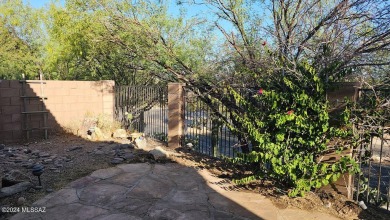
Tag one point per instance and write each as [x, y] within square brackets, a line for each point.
[287, 122]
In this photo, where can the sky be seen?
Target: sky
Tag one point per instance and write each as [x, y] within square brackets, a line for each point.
[37, 3]
[174, 10]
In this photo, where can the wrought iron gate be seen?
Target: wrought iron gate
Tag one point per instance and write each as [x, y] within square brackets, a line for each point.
[373, 185]
[205, 132]
[143, 109]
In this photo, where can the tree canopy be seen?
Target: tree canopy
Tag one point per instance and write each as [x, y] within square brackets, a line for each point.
[130, 41]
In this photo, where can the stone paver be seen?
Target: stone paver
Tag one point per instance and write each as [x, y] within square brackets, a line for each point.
[160, 191]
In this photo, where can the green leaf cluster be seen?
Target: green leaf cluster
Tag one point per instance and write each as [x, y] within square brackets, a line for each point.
[288, 125]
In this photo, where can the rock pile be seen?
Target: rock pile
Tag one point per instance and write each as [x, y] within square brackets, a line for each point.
[24, 157]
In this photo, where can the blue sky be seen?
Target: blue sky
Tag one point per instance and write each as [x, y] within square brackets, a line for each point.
[174, 10]
[37, 3]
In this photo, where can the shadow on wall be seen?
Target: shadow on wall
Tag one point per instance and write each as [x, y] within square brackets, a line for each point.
[39, 106]
[64, 100]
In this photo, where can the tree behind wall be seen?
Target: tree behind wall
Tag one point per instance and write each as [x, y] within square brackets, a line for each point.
[21, 40]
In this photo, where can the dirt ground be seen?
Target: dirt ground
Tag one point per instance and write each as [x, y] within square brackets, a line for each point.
[74, 157]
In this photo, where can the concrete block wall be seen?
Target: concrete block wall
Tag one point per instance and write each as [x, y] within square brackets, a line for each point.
[66, 101]
[343, 90]
[176, 120]
[10, 110]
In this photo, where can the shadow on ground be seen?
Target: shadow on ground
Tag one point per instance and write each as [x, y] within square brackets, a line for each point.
[81, 182]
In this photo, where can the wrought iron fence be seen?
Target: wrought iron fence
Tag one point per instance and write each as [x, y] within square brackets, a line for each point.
[205, 132]
[373, 184]
[143, 109]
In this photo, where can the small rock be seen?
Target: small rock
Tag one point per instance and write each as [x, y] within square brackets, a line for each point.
[117, 147]
[35, 152]
[159, 153]
[14, 177]
[27, 151]
[98, 152]
[27, 165]
[128, 156]
[134, 136]
[75, 148]
[58, 165]
[44, 154]
[18, 160]
[120, 133]
[49, 190]
[46, 161]
[21, 201]
[38, 187]
[20, 187]
[123, 147]
[97, 134]
[9, 154]
[141, 142]
[118, 152]
[117, 160]
[127, 146]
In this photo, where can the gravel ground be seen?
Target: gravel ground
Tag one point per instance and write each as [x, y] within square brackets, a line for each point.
[67, 158]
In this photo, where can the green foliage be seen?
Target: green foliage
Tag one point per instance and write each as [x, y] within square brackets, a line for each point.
[289, 123]
[20, 40]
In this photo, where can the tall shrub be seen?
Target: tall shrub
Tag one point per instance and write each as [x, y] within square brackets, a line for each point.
[287, 121]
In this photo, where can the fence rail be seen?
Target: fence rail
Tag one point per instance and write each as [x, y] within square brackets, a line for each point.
[143, 109]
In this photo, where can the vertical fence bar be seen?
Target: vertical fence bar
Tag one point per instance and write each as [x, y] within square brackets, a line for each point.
[146, 115]
[369, 170]
[166, 110]
[123, 104]
[127, 106]
[201, 128]
[226, 141]
[221, 146]
[360, 166]
[208, 128]
[154, 111]
[138, 95]
[380, 166]
[205, 131]
[197, 133]
[160, 110]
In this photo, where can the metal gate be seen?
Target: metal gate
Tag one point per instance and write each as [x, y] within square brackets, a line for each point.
[373, 154]
[205, 132]
[143, 109]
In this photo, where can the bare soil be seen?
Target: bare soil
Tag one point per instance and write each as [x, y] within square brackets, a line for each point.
[94, 155]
